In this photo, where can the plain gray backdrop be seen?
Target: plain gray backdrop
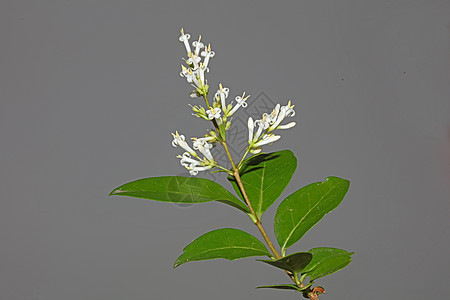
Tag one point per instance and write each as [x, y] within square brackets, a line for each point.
[90, 93]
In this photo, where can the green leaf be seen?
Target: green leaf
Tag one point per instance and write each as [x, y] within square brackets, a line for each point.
[280, 287]
[265, 176]
[228, 243]
[179, 189]
[326, 261]
[293, 263]
[300, 211]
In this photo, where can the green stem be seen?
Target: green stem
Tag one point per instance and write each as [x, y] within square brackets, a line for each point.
[224, 169]
[257, 221]
[247, 150]
[206, 100]
[254, 216]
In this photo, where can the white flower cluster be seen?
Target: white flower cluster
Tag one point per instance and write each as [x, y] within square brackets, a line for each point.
[195, 72]
[260, 131]
[195, 75]
[190, 159]
[266, 125]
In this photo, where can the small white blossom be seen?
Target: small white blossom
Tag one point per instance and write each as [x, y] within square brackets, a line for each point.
[267, 139]
[213, 113]
[187, 160]
[184, 71]
[274, 114]
[207, 54]
[290, 112]
[202, 145]
[240, 102]
[256, 150]
[195, 169]
[194, 77]
[287, 126]
[197, 79]
[179, 140]
[198, 45]
[201, 73]
[185, 39]
[190, 160]
[208, 139]
[251, 127]
[193, 60]
[193, 165]
[221, 95]
[280, 117]
[263, 124]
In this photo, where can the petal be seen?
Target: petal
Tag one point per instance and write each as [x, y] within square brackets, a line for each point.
[287, 126]
[250, 129]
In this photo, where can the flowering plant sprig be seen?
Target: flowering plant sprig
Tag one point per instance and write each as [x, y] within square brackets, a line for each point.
[258, 181]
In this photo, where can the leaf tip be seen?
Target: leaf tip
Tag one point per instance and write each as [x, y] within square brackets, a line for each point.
[330, 178]
[115, 192]
[177, 263]
[180, 260]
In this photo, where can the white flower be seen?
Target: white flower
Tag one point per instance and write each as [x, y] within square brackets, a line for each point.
[190, 160]
[185, 39]
[267, 139]
[196, 77]
[193, 60]
[280, 117]
[274, 114]
[285, 111]
[221, 95]
[202, 145]
[194, 166]
[290, 112]
[179, 140]
[184, 72]
[256, 150]
[287, 126]
[251, 127]
[195, 169]
[207, 53]
[187, 161]
[240, 102]
[201, 73]
[198, 45]
[213, 113]
[207, 139]
[190, 76]
[263, 124]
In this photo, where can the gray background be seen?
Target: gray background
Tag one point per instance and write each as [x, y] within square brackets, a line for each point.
[90, 93]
